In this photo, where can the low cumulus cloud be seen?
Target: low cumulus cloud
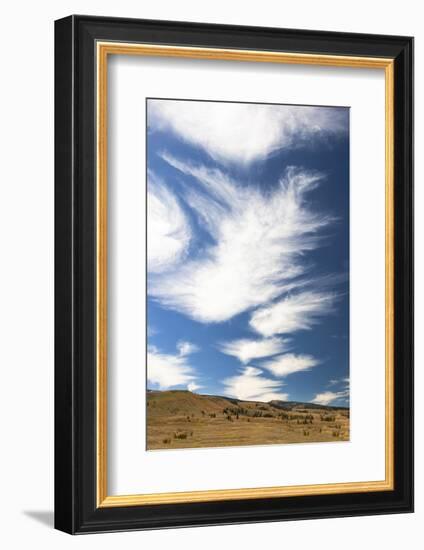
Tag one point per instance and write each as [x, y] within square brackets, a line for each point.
[251, 385]
[192, 386]
[166, 371]
[329, 397]
[245, 350]
[289, 363]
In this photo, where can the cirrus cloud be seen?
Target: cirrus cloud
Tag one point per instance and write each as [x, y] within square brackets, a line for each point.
[168, 234]
[245, 132]
[294, 312]
[257, 243]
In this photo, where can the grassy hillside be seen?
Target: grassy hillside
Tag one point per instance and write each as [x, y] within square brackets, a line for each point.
[182, 419]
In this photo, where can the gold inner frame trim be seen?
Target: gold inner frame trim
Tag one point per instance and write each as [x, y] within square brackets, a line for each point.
[103, 50]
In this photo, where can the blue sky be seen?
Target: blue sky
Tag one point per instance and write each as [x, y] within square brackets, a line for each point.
[248, 250]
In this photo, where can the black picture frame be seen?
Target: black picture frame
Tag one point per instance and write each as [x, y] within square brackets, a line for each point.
[76, 508]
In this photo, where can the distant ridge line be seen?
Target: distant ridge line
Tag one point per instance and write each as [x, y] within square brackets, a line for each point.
[287, 405]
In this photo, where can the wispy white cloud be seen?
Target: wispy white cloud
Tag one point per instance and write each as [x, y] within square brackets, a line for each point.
[294, 312]
[168, 371]
[168, 235]
[186, 348]
[289, 363]
[243, 132]
[250, 385]
[192, 386]
[329, 397]
[152, 331]
[258, 241]
[245, 350]
[339, 381]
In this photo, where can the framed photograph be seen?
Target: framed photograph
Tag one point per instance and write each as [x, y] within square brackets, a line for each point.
[233, 274]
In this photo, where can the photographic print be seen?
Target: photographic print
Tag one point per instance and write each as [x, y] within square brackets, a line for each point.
[229, 286]
[247, 274]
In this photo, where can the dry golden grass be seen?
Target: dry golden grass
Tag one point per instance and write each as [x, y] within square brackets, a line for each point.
[181, 419]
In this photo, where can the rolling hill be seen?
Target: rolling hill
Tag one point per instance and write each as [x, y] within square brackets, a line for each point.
[182, 419]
